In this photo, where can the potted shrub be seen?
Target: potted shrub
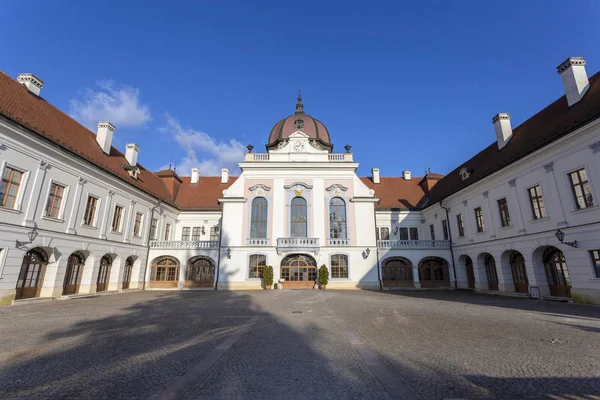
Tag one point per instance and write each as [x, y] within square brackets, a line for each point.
[268, 277]
[323, 277]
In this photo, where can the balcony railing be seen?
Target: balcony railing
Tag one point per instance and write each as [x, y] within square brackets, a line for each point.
[184, 244]
[338, 242]
[413, 244]
[257, 242]
[286, 244]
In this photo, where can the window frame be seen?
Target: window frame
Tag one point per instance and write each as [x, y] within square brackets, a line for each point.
[214, 233]
[387, 233]
[153, 228]
[262, 218]
[342, 232]
[445, 231]
[406, 234]
[138, 225]
[196, 233]
[460, 222]
[167, 231]
[504, 212]
[338, 269]
[185, 234]
[432, 231]
[258, 268]
[479, 223]
[539, 201]
[15, 205]
[415, 230]
[87, 214]
[595, 262]
[120, 222]
[587, 202]
[61, 202]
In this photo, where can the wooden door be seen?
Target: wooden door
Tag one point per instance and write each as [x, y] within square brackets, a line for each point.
[397, 273]
[31, 276]
[200, 273]
[127, 275]
[557, 274]
[519, 273]
[103, 274]
[470, 273]
[298, 273]
[73, 275]
[490, 271]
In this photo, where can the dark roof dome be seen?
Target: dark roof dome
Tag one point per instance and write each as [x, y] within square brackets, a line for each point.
[302, 122]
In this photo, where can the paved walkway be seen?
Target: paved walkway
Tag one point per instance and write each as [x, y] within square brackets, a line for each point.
[299, 344]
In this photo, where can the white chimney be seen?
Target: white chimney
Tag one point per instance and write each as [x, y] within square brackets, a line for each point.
[131, 153]
[31, 82]
[224, 175]
[503, 129]
[105, 135]
[574, 78]
[375, 175]
[195, 175]
[406, 175]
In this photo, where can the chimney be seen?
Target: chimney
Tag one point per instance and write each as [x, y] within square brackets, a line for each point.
[574, 78]
[195, 175]
[131, 153]
[105, 135]
[503, 129]
[375, 175]
[406, 175]
[31, 82]
[224, 175]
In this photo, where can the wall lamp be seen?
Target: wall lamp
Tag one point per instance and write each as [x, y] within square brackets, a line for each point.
[229, 252]
[560, 235]
[31, 235]
[366, 253]
[396, 230]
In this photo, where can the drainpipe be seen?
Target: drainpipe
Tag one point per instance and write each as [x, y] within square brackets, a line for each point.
[451, 250]
[148, 241]
[377, 251]
[220, 244]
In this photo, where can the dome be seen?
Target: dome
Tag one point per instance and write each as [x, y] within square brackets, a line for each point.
[302, 122]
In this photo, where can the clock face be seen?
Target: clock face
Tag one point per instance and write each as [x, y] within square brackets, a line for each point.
[298, 146]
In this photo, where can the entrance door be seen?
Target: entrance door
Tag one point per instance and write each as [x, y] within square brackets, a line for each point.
[32, 273]
[557, 274]
[127, 273]
[299, 272]
[490, 271]
[397, 272]
[470, 273]
[200, 272]
[519, 273]
[74, 272]
[103, 273]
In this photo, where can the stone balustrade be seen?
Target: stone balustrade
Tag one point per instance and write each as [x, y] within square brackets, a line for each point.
[413, 244]
[184, 244]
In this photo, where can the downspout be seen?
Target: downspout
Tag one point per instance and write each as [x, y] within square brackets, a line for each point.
[220, 244]
[377, 251]
[148, 241]
[451, 250]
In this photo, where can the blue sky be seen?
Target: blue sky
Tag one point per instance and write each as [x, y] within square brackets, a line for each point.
[408, 85]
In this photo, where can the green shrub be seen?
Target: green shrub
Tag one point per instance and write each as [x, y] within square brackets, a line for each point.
[580, 299]
[268, 276]
[323, 275]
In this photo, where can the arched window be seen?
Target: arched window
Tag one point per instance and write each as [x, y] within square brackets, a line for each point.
[127, 272]
[75, 266]
[337, 219]
[298, 218]
[165, 272]
[257, 263]
[339, 266]
[259, 217]
[104, 273]
[32, 273]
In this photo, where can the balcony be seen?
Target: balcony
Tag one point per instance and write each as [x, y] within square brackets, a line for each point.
[184, 244]
[258, 242]
[297, 244]
[414, 244]
[338, 242]
[331, 157]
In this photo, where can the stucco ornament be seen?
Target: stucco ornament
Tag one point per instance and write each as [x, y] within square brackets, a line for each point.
[298, 146]
[298, 192]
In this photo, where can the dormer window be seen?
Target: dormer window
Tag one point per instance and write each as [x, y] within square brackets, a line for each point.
[132, 171]
[464, 173]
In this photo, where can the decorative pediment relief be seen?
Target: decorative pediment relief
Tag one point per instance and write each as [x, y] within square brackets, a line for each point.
[336, 189]
[298, 188]
[259, 186]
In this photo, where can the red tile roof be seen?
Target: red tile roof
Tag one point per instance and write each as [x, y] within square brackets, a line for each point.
[396, 193]
[43, 119]
[203, 195]
[548, 125]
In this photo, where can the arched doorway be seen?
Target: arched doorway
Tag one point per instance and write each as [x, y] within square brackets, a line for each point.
[31, 276]
[470, 272]
[490, 272]
[165, 272]
[299, 271]
[397, 272]
[127, 273]
[104, 273]
[557, 274]
[200, 272]
[433, 272]
[519, 272]
[75, 266]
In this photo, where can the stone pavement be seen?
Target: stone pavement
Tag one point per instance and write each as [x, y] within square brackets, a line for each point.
[299, 344]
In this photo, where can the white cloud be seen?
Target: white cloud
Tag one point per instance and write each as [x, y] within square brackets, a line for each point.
[117, 104]
[216, 155]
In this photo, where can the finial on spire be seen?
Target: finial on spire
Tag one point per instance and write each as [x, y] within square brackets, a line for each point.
[299, 105]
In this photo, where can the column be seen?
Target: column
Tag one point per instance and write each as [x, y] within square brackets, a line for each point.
[467, 221]
[54, 278]
[35, 194]
[109, 197]
[489, 207]
[116, 274]
[521, 221]
[75, 208]
[550, 169]
[147, 224]
[415, 271]
[130, 215]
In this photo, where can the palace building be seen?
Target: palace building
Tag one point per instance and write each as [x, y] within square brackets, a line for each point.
[79, 216]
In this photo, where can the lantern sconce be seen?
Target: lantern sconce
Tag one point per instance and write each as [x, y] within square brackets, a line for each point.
[396, 230]
[229, 252]
[31, 235]
[366, 253]
[560, 235]
[203, 230]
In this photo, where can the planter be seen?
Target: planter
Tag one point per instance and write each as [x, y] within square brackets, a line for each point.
[322, 286]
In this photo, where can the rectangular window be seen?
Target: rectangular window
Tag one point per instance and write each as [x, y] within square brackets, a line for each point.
[137, 226]
[9, 186]
[581, 189]
[384, 234]
[196, 233]
[403, 233]
[445, 228]
[339, 266]
[167, 231]
[90, 211]
[153, 226]
[185, 233]
[376, 233]
[537, 203]
[116, 223]
[504, 215]
[214, 233]
[461, 225]
[596, 261]
[414, 233]
[432, 232]
[479, 219]
[54, 201]
[257, 263]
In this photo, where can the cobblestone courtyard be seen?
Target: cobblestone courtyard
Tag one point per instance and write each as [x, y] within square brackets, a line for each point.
[299, 344]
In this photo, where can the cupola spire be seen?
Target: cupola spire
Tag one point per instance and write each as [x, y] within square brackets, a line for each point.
[299, 105]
